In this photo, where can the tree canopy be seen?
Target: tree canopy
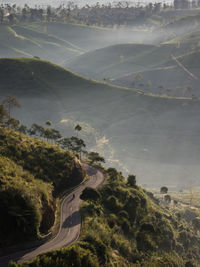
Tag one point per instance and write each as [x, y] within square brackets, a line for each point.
[163, 190]
[95, 157]
[90, 194]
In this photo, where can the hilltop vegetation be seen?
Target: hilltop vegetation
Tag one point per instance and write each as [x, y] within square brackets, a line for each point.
[125, 226]
[32, 173]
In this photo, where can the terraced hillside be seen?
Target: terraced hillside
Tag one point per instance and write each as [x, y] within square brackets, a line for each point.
[137, 126]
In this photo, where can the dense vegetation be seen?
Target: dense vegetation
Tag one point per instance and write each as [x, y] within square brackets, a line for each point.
[32, 173]
[107, 15]
[123, 225]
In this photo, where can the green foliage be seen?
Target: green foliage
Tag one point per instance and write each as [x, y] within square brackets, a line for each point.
[19, 195]
[131, 180]
[49, 163]
[9, 103]
[68, 257]
[127, 228]
[73, 143]
[78, 128]
[3, 115]
[95, 157]
[90, 194]
[32, 173]
[163, 190]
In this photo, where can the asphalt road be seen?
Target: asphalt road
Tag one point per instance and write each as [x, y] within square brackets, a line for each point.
[70, 223]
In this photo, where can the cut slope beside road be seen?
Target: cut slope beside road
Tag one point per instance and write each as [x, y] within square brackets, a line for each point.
[70, 223]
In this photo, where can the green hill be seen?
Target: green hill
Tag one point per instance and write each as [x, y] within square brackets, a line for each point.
[99, 63]
[175, 80]
[137, 126]
[91, 37]
[20, 41]
[32, 173]
[113, 62]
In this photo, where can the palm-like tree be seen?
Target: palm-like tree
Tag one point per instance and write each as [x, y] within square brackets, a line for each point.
[78, 128]
[9, 103]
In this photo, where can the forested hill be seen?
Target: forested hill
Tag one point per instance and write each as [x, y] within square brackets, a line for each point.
[123, 225]
[32, 173]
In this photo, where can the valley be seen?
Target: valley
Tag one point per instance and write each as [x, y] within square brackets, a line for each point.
[115, 86]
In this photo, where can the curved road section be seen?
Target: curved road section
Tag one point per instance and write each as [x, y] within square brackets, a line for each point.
[70, 222]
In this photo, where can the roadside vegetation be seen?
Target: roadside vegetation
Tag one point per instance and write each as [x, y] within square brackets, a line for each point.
[123, 225]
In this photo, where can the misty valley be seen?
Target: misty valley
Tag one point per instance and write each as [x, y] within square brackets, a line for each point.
[100, 134]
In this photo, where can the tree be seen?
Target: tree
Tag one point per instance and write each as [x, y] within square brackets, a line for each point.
[55, 135]
[65, 143]
[167, 198]
[95, 157]
[23, 129]
[163, 190]
[3, 115]
[49, 13]
[48, 123]
[78, 128]
[1, 15]
[75, 144]
[12, 123]
[9, 103]
[90, 194]
[131, 180]
[37, 130]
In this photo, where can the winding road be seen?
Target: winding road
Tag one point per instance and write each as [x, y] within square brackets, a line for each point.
[70, 222]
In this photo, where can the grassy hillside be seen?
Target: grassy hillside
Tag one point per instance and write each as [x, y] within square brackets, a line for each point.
[59, 42]
[91, 37]
[20, 41]
[32, 173]
[125, 226]
[137, 126]
[94, 63]
[140, 58]
[174, 80]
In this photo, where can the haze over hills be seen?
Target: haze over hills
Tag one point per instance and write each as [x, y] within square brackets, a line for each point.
[140, 128]
[135, 109]
[121, 56]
